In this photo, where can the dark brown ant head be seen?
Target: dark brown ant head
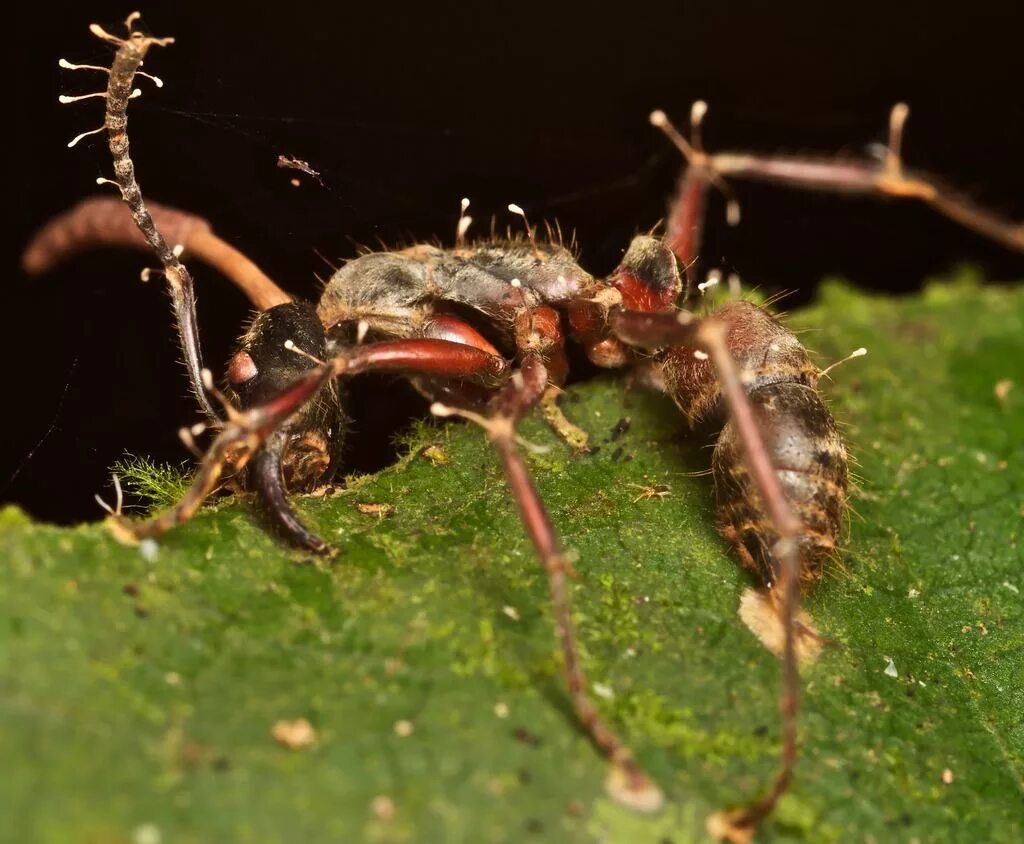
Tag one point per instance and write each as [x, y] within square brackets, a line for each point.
[648, 276]
[283, 343]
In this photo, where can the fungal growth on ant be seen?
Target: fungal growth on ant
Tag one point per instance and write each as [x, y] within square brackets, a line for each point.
[481, 329]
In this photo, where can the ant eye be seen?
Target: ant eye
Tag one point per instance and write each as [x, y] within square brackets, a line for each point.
[242, 368]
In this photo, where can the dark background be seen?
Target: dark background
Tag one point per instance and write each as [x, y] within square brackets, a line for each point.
[404, 112]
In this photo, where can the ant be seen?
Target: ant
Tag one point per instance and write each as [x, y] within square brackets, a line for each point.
[480, 329]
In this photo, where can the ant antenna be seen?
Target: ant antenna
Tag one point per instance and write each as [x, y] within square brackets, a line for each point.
[856, 353]
[897, 119]
[518, 211]
[119, 500]
[465, 221]
[696, 156]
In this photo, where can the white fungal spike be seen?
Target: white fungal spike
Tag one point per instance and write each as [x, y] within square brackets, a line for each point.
[207, 377]
[713, 280]
[856, 353]
[178, 249]
[155, 79]
[697, 112]
[658, 118]
[198, 429]
[515, 209]
[291, 347]
[732, 212]
[101, 33]
[77, 138]
[464, 223]
[64, 99]
[64, 63]
[516, 282]
[119, 499]
[135, 94]
[361, 331]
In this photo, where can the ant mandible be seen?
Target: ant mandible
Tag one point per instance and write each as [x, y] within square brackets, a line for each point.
[480, 329]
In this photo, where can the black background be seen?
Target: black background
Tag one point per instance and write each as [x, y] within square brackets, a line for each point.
[405, 111]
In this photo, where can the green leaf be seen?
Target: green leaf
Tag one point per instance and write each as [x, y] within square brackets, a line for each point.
[138, 694]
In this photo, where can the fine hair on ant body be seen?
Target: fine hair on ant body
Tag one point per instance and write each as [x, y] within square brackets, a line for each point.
[480, 329]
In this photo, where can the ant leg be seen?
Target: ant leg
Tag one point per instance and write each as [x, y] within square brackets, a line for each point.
[538, 331]
[685, 225]
[873, 178]
[103, 221]
[708, 336]
[627, 781]
[244, 433]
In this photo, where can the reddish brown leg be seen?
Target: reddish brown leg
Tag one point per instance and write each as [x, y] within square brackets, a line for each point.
[627, 781]
[709, 336]
[868, 177]
[245, 432]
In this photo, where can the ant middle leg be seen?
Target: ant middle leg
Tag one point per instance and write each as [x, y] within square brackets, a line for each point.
[627, 782]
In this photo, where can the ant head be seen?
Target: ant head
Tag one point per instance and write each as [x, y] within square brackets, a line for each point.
[648, 276]
[282, 343]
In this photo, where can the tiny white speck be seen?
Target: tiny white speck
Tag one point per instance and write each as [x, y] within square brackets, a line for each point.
[700, 355]
[890, 669]
[149, 549]
[601, 690]
[913, 593]
[1011, 587]
[403, 728]
[516, 282]
[511, 612]
[501, 709]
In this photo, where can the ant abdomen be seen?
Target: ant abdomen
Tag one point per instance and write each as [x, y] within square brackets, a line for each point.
[798, 430]
[807, 452]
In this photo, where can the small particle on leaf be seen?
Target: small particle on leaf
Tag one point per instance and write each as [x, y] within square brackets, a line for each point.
[435, 454]
[381, 511]
[383, 807]
[172, 678]
[1011, 587]
[574, 808]
[890, 669]
[403, 728]
[981, 626]
[501, 709]
[601, 690]
[913, 593]
[947, 776]
[1002, 388]
[149, 549]
[294, 734]
[511, 612]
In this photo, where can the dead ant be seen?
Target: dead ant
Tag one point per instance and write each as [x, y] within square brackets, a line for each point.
[480, 329]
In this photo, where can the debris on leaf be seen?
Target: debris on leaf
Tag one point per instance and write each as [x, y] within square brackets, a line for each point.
[294, 734]
[890, 670]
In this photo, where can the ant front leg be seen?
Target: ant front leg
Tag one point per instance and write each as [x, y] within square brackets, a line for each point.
[627, 782]
[270, 422]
